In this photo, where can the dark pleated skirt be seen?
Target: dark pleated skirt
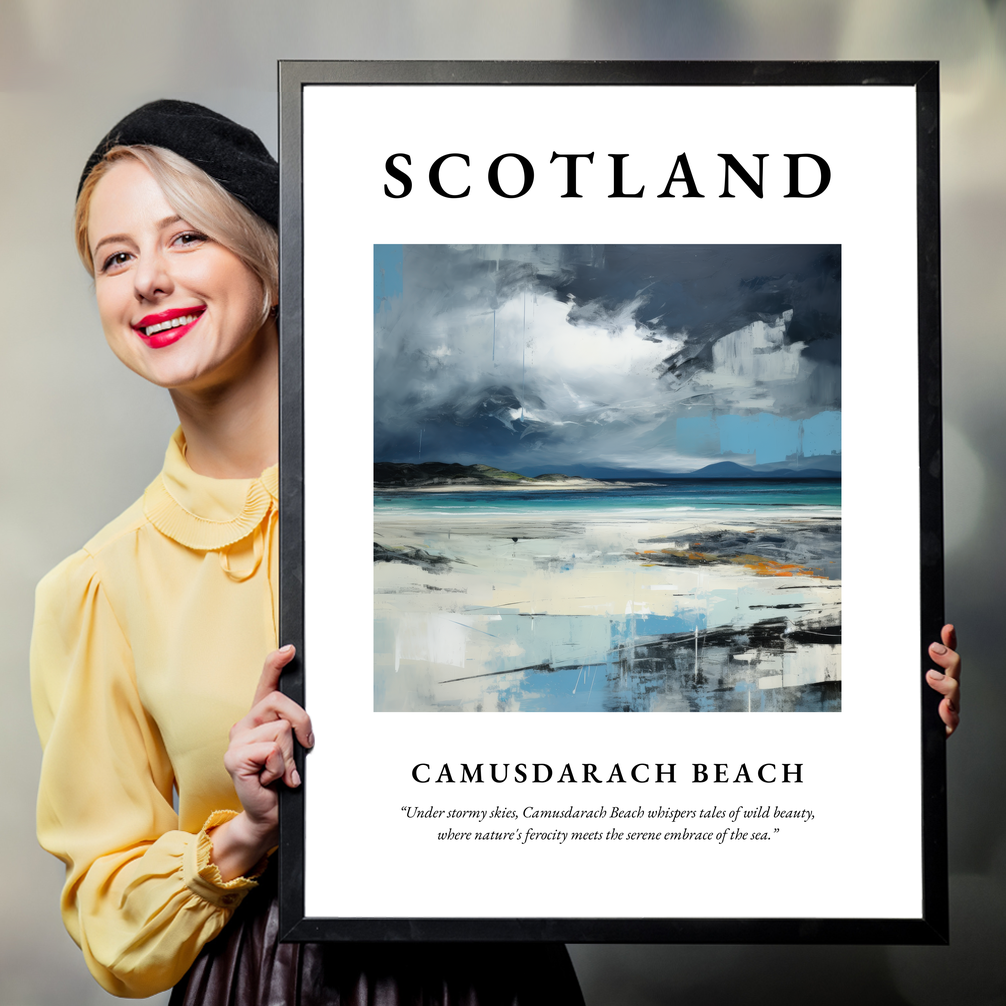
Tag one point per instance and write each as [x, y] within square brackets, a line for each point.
[246, 965]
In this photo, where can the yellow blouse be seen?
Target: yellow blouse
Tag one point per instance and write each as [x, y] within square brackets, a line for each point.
[147, 647]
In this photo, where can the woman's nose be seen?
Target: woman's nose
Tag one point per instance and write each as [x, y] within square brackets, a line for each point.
[152, 277]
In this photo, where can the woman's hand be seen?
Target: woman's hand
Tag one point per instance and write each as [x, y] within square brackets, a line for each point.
[260, 753]
[947, 682]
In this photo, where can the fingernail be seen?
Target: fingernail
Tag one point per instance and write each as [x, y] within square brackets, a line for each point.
[938, 648]
[295, 777]
[936, 676]
[287, 649]
[310, 740]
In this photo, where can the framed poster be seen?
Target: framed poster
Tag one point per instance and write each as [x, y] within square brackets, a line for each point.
[633, 370]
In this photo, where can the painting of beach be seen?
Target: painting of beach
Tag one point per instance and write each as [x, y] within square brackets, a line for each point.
[607, 478]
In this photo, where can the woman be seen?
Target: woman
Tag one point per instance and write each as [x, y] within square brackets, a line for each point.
[149, 642]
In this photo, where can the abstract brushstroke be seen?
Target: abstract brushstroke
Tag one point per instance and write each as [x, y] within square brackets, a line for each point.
[809, 547]
[413, 557]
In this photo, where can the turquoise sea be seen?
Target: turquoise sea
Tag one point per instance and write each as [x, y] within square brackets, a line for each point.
[676, 494]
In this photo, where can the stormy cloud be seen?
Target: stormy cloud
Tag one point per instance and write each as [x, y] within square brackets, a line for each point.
[605, 358]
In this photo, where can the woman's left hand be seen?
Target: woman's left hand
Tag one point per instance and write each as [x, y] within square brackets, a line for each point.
[948, 681]
[260, 754]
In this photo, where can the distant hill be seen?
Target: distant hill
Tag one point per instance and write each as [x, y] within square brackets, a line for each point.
[392, 475]
[388, 473]
[732, 470]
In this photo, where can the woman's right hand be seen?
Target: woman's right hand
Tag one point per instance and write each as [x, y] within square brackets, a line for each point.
[948, 681]
[259, 754]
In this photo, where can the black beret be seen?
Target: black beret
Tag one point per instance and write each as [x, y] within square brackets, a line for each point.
[230, 154]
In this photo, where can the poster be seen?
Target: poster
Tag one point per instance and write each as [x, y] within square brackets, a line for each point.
[621, 366]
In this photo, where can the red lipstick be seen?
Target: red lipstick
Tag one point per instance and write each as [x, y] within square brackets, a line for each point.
[166, 325]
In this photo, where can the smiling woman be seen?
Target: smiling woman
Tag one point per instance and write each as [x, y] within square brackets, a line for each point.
[197, 197]
[158, 279]
[149, 643]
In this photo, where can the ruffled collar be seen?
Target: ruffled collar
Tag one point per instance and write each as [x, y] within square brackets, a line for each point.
[203, 513]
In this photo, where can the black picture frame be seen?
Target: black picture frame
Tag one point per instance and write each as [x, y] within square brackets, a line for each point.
[931, 926]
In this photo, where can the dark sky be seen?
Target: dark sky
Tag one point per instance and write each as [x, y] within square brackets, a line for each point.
[619, 357]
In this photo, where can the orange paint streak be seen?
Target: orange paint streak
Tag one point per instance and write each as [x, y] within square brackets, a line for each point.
[769, 567]
[758, 564]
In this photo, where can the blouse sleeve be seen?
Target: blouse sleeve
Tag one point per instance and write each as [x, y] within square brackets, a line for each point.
[141, 898]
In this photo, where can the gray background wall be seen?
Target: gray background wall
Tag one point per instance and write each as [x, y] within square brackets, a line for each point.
[82, 436]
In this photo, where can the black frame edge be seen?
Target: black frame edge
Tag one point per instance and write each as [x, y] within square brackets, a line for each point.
[932, 602]
[291, 450]
[849, 932]
[699, 73]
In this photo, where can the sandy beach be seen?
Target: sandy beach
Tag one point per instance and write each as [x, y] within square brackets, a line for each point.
[634, 610]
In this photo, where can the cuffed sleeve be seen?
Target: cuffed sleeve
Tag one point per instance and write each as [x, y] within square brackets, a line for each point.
[202, 876]
[141, 897]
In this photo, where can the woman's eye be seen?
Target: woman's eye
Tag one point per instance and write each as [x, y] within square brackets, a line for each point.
[114, 261]
[190, 238]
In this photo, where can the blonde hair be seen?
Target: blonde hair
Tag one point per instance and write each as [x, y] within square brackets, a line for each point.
[199, 200]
